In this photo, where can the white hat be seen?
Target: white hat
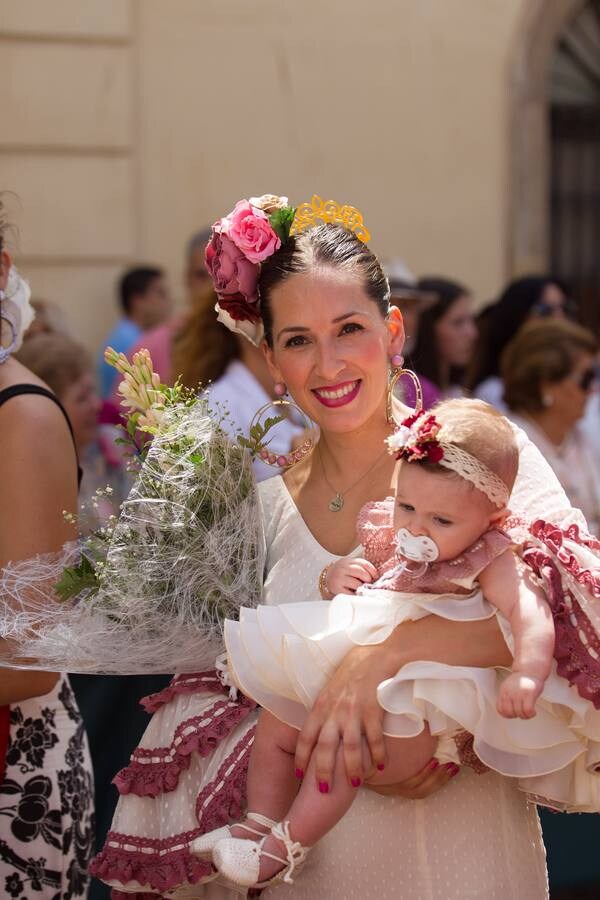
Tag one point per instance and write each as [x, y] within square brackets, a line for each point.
[403, 283]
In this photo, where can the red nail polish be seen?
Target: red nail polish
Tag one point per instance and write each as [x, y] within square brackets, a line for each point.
[433, 764]
[449, 766]
[454, 772]
[381, 766]
[323, 787]
[299, 773]
[355, 782]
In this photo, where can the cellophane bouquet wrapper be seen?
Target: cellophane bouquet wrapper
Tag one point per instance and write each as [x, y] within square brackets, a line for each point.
[186, 552]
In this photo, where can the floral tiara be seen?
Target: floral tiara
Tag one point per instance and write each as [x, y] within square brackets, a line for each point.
[417, 439]
[249, 235]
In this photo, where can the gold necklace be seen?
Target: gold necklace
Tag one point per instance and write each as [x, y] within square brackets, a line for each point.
[337, 501]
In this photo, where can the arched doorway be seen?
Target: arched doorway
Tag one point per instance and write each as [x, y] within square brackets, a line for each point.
[554, 197]
[575, 159]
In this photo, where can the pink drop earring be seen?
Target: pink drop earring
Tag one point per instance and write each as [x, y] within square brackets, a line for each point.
[397, 361]
[279, 389]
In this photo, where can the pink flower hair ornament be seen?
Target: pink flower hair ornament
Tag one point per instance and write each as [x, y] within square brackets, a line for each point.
[252, 232]
[417, 439]
[239, 243]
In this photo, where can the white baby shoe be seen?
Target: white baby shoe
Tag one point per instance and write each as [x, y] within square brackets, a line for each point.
[204, 845]
[239, 860]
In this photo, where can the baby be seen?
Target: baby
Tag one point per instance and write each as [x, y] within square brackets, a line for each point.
[435, 547]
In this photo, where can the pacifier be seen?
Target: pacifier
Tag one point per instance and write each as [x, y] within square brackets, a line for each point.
[417, 548]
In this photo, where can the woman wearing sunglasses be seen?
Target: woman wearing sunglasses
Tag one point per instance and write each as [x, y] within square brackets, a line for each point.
[530, 297]
[549, 371]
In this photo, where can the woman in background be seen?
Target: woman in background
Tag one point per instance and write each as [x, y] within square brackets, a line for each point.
[110, 704]
[534, 296]
[446, 336]
[234, 373]
[46, 811]
[549, 371]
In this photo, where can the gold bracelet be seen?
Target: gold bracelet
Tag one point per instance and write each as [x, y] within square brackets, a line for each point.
[323, 588]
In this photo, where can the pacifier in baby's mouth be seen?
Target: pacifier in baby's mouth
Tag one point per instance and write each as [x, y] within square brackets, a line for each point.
[416, 547]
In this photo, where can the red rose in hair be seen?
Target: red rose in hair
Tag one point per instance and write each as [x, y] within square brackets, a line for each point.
[435, 453]
[232, 273]
[238, 308]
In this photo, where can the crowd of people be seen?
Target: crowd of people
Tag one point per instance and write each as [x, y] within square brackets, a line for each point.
[525, 353]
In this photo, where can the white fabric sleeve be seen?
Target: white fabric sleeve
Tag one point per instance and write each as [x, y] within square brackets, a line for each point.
[537, 493]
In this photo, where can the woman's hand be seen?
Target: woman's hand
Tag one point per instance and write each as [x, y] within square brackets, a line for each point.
[426, 782]
[346, 710]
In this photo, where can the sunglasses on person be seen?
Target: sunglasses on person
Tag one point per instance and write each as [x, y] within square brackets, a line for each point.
[587, 378]
[545, 310]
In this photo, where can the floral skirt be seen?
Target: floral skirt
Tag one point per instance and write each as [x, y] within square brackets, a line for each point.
[46, 801]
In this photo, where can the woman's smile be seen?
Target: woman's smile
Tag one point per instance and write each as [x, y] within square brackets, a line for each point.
[338, 394]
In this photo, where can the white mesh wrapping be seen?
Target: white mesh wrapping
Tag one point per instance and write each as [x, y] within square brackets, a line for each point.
[187, 552]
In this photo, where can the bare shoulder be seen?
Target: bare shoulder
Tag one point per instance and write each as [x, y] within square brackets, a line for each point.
[26, 416]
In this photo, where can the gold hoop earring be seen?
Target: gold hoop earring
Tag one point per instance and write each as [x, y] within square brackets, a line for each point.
[258, 431]
[395, 375]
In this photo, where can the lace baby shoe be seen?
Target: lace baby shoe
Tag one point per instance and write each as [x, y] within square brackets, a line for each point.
[204, 845]
[239, 860]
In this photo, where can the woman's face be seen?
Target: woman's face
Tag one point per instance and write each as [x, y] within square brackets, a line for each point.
[569, 396]
[82, 405]
[331, 347]
[552, 303]
[456, 333]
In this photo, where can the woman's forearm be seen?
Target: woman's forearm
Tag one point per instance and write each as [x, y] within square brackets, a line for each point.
[17, 685]
[435, 639]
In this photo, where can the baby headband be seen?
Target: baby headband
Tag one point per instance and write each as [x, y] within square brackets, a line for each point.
[250, 234]
[417, 439]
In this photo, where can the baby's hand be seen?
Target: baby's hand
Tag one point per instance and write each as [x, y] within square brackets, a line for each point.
[517, 696]
[346, 575]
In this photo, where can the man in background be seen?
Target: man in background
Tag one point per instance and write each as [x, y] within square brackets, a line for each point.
[145, 302]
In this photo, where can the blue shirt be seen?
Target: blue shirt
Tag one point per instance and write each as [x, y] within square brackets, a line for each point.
[123, 336]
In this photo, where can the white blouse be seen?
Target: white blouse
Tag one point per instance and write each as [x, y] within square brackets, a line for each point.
[576, 464]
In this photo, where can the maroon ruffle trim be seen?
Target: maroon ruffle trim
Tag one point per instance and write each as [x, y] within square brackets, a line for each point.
[161, 864]
[156, 771]
[156, 867]
[197, 682]
[577, 657]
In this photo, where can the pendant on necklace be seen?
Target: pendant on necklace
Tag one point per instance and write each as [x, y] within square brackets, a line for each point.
[337, 503]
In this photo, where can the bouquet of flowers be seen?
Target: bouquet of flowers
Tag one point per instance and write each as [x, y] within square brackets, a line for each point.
[149, 591]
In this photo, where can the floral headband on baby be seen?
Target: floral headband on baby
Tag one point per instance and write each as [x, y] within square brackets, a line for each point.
[418, 438]
[252, 232]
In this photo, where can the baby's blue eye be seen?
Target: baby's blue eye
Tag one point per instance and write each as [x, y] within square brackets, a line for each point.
[441, 521]
[406, 507]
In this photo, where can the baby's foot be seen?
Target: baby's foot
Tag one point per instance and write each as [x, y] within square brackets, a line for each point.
[252, 828]
[246, 827]
[251, 863]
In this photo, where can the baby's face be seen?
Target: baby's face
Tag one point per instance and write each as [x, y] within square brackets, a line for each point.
[445, 508]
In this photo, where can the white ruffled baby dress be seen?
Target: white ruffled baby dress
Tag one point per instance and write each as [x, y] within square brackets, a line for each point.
[281, 657]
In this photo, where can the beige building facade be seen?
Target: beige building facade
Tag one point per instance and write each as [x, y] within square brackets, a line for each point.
[129, 124]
